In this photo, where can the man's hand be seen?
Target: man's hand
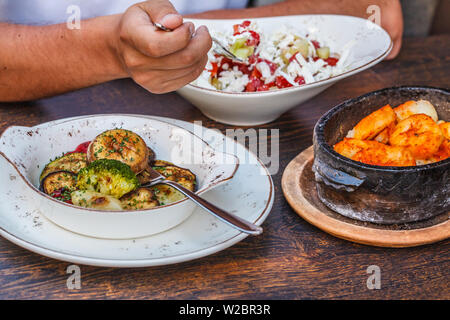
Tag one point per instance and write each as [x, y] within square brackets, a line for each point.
[42, 61]
[157, 60]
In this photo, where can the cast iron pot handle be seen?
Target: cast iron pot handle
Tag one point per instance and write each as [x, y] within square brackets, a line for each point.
[335, 178]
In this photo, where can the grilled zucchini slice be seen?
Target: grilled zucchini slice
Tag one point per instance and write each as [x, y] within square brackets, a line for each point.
[177, 174]
[151, 155]
[142, 198]
[72, 162]
[58, 180]
[166, 194]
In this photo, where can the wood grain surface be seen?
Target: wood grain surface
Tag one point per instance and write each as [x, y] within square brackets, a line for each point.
[291, 259]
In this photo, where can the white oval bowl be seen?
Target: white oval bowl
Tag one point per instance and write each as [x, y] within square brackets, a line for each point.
[29, 149]
[371, 45]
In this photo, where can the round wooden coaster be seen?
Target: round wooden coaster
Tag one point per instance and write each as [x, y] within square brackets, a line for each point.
[299, 189]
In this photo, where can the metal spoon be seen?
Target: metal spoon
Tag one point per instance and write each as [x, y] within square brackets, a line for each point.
[229, 218]
[219, 48]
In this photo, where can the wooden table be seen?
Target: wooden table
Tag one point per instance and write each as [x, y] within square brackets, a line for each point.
[291, 259]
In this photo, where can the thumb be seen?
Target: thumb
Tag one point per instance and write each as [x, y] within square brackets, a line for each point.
[163, 12]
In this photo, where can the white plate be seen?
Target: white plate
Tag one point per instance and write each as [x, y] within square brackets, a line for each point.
[249, 195]
[369, 43]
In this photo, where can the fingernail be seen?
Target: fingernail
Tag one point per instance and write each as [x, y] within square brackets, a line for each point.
[191, 28]
[167, 18]
[201, 28]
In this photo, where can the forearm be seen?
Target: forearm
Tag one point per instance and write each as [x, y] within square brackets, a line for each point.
[39, 61]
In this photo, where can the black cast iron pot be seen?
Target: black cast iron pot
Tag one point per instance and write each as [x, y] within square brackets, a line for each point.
[386, 195]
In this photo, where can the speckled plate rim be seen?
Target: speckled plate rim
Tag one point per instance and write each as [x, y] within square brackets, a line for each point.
[290, 184]
[146, 262]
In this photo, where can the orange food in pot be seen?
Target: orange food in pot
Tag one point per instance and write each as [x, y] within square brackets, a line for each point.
[407, 135]
[373, 124]
[419, 134]
[375, 153]
[445, 128]
[410, 108]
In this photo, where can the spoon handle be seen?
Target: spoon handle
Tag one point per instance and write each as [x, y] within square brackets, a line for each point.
[227, 217]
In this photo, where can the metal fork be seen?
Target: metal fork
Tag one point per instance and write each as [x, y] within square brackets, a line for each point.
[227, 217]
[219, 48]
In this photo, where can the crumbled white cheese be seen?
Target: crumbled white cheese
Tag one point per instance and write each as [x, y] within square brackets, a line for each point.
[233, 80]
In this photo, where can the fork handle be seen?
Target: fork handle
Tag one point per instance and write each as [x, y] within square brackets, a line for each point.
[227, 217]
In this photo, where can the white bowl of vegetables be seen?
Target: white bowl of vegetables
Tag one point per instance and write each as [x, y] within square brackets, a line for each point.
[88, 174]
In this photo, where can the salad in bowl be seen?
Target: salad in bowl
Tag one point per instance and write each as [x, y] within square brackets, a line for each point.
[281, 59]
[281, 63]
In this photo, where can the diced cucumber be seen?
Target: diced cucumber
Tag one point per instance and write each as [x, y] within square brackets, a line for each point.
[285, 56]
[323, 52]
[239, 43]
[240, 50]
[302, 46]
[244, 53]
[216, 83]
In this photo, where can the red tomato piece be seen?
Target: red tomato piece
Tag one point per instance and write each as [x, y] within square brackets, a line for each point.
[266, 86]
[215, 68]
[255, 73]
[253, 85]
[246, 23]
[253, 40]
[281, 82]
[273, 66]
[243, 68]
[237, 27]
[293, 57]
[253, 59]
[82, 148]
[316, 44]
[300, 80]
[331, 61]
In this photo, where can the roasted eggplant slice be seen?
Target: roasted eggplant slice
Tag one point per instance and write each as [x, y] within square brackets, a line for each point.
[151, 156]
[166, 194]
[122, 145]
[95, 200]
[177, 174]
[143, 177]
[72, 162]
[57, 181]
[142, 198]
